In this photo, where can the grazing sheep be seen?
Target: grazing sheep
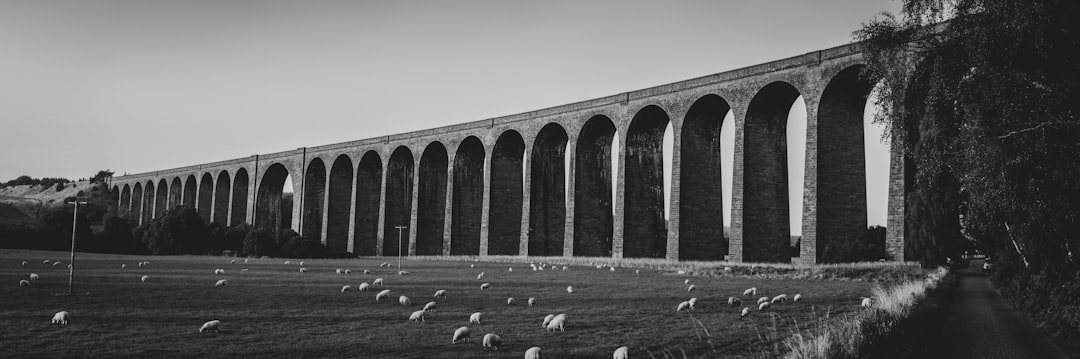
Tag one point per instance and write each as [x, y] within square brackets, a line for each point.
[404, 272]
[232, 261]
[691, 288]
[219, 271]
[485, 286]
[532, 301]
[681, 272]
[339, 271]
[621, 353]
[56, 263]
[417, 316]
[382, 295]
[60, 317]
[547, 320]
[24, 263]
[441, 293]
[244, 270]
[403, 300]
[492, 341]
[683, 305]
[533, 353]
[557, 323]
[123, 265]
[287, 262]
[472, 266]
[24, 283]
[46, 261]
[480, 276]
[570, 289]
[220, 283]
[511, 269]
[377, 281]
[762, 300]
[474, 318]
[363, 287]
[461, 334]
[612, 269]
[750, 292]
[303, 270]
[144, 278]
[693, 302]
[385, 264]
[367, 271]
[430, 306]
[564, 267]
[745, 312]
[246, 260]
[779, 299]
[511, 301]
[763, 306]
[796, 298]
[346, 288]
[212, 325]
[347, 271]
[686, 281]
[146, 263]
[867, 302]
[734, 302]
[34, 276]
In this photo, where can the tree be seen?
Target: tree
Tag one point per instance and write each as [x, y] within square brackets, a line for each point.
[179, 230]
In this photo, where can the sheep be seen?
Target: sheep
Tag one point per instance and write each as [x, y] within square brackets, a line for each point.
[564, 268]
[144, 278]
[532, 301]
[621, 353]
[441, 293]
[681, 272]
[472, 266]
[60, 317]
[244, 270]
[779, 299]
[612, 269]
[56, 263]
[474, 318]
[511, 269]
[346, 288]
[382, 295]
[691, 288]
[762, 300]
[34, 276]
[212, 325]
[146, 263]
[492, 341]
[220, 283]
[24, 263]
[511, 301]
[750, 292]
[867, 302]
[745, 312]
[547, 320]
[461, 334]
[46, 261]
[430, 306]
[403, 300]
[686, 281]
[363, 287]
[301, 263]
[485, 286]
[693, 302]
[683, 305]
[219, 271]
[287, 262]
[763, 306]
[533, 353]
[24, 283]
[347, 271]
[303, 270]
[417, 316]
[377, 281]
[246, 260]
[480, 276]
[232, 261]
[734, 302]
[384, 264]
[339, 271]
[123, 265]
[404, 272]
[557, 323]
[367, 271]
[796, 298]
[570, 289]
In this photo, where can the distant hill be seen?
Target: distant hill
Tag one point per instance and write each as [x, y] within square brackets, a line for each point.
[27, 198]
[11, 215]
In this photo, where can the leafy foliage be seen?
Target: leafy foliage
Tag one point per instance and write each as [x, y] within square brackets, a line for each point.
[179, 230]
[868, 246]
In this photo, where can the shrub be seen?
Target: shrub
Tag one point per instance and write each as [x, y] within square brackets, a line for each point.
[867, 246]
[178, 231]
[259, 242]
[301, 247]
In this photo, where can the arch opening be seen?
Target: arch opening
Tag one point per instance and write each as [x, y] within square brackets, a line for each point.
[468, 198]
[148, 203]
[399, 183]
[504, 207]
[240, 186]
[206, 197]
[593, 189]
[645, 226]
[176, 192]
[137, 203]
[338, 205]
[161, 198]
[701, 202]
[314, 195]
[431, 200]
[124, 208]
[547, 200]
[766, 212]
[114, 203]
[273, 206]
[221, 199]
[191, 190]
[369, 177]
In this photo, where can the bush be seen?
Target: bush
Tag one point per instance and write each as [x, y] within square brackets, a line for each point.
[868, 246]
[301, 247]
[117, 236]
[178, 231]
[259, 242]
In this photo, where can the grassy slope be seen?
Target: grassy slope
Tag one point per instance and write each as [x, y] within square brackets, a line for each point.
[274, 311]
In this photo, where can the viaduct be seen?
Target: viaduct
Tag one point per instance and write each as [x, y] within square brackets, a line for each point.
[496, 186]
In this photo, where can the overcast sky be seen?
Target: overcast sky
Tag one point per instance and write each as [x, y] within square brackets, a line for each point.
[140, 85]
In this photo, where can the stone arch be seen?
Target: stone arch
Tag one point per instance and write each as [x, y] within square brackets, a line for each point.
[176, 192]
[270, 210]
[314, 193]
[114, 203]
[191, 191]
[239, 197]
[645, 233]
[369, 176]
[161, 198]
[468, 197]
[148, 202]
[221, 199]
[206, 197]
[339, 197]
[701, 211]
[841, 171]
[399, 183]
[593, 220]
[547, 199]
[137, 203]
[766, 225]
[124, 208]
[431, 200]
[504, 207]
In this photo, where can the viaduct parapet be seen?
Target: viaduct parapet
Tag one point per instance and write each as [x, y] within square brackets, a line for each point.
[498, 186]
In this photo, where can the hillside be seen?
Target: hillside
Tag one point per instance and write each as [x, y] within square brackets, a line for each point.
[28, 198]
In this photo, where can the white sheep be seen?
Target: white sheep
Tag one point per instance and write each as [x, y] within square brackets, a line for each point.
[301, 263]
[346, 288]
[461, 334]
[339, 271]
[564, 267]
[637, 271]
[430, 306]
[681, 272]
[686, 281]
[867, 302]
[303, 270]
[144, 278]
[734, 302]
[762, 300]
[219, 271]
[750, 292]
[511, 269]
[474, 318]
[367, 271]
[511, 301]
[246, 259]
[385, 264]
[441, 293]
[46, 261]
[60, 317]
[347, 271]
[232, 261]
[693, 302]
[244, 270]
[403, 300]
[621, 353]
[417, 316]
[779, 299]
[123, 265]
[534, 353]
[532, 301]
[570, 289]
[745, 312]
[683, 305]
[34, 276]
[212, 325]
[146, 263]
[377, 281]
[557, 323]
[287, 262]
[363, 287]
[547, 320]
[763, 306]
[691, 288]
[220, 283]
[56, 263]
[382, 295]
[796, 298]
[612, 269]
[480, 276]
[492, 341]
[472, 266]
[24, 263]
[485, 286]
[404, 272]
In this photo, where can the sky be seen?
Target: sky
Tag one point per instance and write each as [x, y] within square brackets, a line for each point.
[143, 85]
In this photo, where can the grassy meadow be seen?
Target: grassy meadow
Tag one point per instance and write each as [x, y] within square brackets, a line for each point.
[273, 310]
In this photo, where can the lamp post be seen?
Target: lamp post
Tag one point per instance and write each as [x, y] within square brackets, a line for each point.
[399, 228]
[71, 263]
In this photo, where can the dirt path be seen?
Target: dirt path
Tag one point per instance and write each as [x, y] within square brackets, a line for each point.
[981, 324]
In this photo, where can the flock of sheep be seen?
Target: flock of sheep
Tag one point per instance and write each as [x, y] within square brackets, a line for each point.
[490, 341]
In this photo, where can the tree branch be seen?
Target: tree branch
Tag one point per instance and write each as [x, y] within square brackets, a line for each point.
[1029, 129]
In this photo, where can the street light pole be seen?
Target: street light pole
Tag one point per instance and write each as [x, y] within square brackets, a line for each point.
[399, 228]
[71, 263]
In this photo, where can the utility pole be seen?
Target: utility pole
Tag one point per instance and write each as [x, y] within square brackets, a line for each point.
[71, 263]
[399, 228]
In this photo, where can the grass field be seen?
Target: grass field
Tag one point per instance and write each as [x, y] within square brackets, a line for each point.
[273, 310]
